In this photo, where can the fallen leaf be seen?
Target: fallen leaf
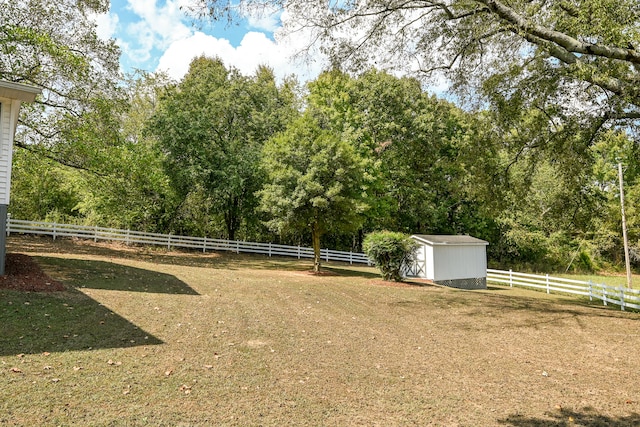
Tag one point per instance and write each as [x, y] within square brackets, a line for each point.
[127, 390]
[16, 370]
[55, 380]
[77, 368]
[208, 366]
[21, 355]
[168, 372]
[111, 362]
[185, 389]
[46, 353]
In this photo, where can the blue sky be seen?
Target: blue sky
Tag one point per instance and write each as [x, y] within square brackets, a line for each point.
[156, 35]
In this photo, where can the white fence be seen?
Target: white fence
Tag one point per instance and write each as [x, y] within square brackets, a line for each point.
[176, 241]
[624, 297]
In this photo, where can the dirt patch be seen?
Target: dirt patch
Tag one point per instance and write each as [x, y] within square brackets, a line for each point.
[22, 273]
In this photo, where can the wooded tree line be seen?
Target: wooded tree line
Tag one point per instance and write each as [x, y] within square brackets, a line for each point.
[530, 166]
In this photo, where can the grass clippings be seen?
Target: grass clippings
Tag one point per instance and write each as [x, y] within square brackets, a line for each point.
[181, 338]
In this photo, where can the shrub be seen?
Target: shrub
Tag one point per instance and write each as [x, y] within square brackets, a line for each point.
[390, 251]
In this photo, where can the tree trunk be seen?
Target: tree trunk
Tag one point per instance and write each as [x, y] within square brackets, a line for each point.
[315, 237]
[231, 218]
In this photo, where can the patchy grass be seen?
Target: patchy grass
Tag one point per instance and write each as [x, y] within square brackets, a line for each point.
[150, 337]
[619, 279]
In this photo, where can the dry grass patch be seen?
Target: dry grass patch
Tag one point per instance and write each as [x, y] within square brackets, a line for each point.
[148, 337]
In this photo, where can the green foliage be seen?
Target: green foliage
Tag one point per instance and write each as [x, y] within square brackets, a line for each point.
[42, 189]
[211, 128]
[55, 46]
[314, 181]
[533, 172]
[390, 251]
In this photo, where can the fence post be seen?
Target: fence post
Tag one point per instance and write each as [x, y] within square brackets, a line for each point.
[604, 294]
[237, 247]
[350, 258]
[126, 240]
[204, 245]
[169, 242]
[269, 249]
[327, 252]
[590, 291]
[298, 251]
[54, 231]
[621, 298]
[547, 283]
[510, 278]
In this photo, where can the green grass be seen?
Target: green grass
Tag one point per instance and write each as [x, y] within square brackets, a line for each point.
[605, 279]
[151, 338]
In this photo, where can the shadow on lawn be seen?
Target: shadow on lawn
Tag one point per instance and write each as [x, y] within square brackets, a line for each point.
[92, 274]
[63, 321]
[34, 322]
[160, 255]
[566, 418]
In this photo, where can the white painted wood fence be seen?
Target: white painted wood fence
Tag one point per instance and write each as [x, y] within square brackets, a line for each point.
[622, 296]
[176, 241]
[625, 298]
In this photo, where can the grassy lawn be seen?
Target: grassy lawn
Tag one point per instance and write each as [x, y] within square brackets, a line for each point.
[150, 337]
[606, 279]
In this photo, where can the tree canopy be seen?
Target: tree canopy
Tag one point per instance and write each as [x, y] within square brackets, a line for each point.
[54, 45]
[583, 54]
[211, 127]
[546, 102]
[314, 181]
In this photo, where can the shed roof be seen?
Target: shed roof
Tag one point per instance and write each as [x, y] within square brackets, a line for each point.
[465, 240]
[19, 91]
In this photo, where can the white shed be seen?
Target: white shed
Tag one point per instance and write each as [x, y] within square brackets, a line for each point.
[11, 96]
[456, 261]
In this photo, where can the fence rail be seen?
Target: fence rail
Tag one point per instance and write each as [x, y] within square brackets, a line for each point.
[176, 241]
[624, 297]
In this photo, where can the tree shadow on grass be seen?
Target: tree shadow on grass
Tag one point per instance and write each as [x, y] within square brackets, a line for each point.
[568, 418]
[36, 322]
[533, 301]
[160, 255]
[93, 274]
[62, 321]
[348, 271]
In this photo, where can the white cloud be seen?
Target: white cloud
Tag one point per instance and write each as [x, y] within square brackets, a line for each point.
[151, 29]
[255, 49]
[107, 25]
[155, 34]
[165, 22]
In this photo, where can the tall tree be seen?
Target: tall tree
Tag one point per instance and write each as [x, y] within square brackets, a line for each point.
[211, 127]
[132, 189]
[54, 45]
[314, 181]
[567, 53]
[419, 149]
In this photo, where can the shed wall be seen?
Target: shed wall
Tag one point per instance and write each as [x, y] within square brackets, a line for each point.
[458, 262]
